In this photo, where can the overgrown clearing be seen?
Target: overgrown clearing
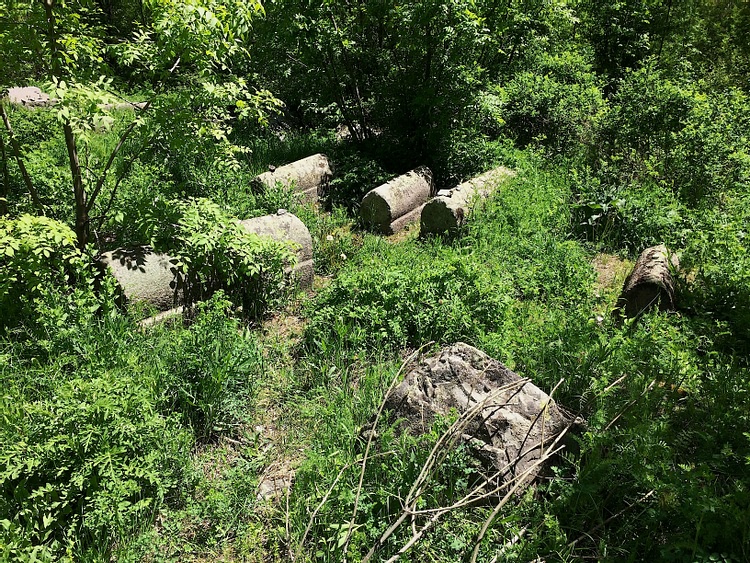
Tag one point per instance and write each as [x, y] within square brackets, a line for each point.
[627, 126]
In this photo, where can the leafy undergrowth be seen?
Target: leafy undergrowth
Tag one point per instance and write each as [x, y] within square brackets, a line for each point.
[150, 445]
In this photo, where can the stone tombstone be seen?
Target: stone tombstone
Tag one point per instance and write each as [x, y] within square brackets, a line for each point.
[143, 275]
[309, 177]
[29, 96]
[515, 421]
[389, 208]
[650, 283]
[283, 226]
[450, 209]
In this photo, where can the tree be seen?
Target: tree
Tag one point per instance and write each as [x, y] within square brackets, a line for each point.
[184, 50]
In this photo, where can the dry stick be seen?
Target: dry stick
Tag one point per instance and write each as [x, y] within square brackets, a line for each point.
[328, 494]
[630, 404]
[536, 418]
[19, 159]
[519, 482]
[416, 537]
[510, 543]
[608, 520]
[416, 489]
[546, 455]
[369, 443]
[615, 383]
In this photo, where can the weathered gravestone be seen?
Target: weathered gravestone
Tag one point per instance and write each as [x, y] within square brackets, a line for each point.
[513, 422]
[143, 275]
[29, 96]
[309, 177]
[650, 283]
[450, 209]
[389, 208]
[284, 226]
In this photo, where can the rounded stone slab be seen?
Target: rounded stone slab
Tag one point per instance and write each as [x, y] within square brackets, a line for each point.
[309, 176]
[284, 226]
[390, 207]
[143, 275]
[450, 209]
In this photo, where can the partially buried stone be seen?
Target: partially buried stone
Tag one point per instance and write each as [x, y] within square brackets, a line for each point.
[309, 176]
[650, 283]
[450, 209]
[284, 226]
[515, 422]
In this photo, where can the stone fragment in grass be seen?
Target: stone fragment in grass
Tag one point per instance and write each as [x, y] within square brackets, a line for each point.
[389, 208]
[650, 283]
[507, 421]
[284, 226]
[143, 275]
[450, 209]
[309, 177]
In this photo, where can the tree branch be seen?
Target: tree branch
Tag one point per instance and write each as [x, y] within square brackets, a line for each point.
[19, 160]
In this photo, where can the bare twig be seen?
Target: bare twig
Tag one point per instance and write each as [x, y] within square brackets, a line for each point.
[19, 159]
[369, 443]
[617, 515]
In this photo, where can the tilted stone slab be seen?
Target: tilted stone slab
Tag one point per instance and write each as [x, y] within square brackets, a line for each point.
[389, 208]
[515, 421]
[284, 226]
[650, 283]
[309, 177]
[450, 209]
[144, 276]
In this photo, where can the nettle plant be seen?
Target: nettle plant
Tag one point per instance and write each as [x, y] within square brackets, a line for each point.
[214, 252]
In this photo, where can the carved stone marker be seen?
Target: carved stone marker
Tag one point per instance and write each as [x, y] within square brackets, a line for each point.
[650, 283]
[389, 208]
[450, 209]
[143, 276]
[514, 423]
[284, 226]
[309, 176]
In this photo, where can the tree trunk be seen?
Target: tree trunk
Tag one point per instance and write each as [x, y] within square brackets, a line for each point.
[82, 214]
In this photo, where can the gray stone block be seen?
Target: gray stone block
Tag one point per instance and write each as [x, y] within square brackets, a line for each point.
[451, 208]
[389, 208]
[143, 276]
[309, 177]
[284, 226]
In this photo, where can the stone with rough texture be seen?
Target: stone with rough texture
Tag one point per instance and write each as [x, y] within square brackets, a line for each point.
[450, 209]
[389, 208]
[650, 283]
[515, 420]
[284, 226]
[29, 96]
[309, 177]
[143, 275]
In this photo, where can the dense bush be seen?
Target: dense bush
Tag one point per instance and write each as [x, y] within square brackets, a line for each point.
[84, 465]
[46, 280]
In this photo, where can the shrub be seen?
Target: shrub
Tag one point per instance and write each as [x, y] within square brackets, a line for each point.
[86, 465]
[557, 103]
[207, 373]
[214, 252]
[44, 275]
